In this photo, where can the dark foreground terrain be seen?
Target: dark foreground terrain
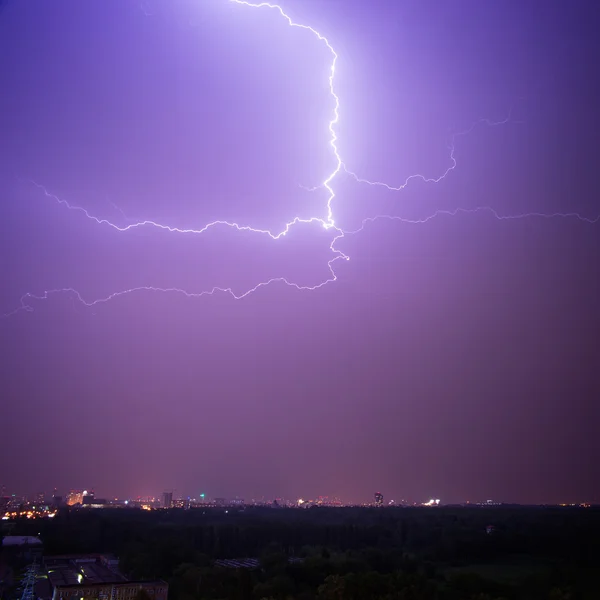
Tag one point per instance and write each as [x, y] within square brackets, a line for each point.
[345, 553]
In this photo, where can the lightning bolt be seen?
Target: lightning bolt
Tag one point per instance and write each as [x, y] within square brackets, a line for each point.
[328, 222]
[465, 211]
[471, 211]
[449, 169]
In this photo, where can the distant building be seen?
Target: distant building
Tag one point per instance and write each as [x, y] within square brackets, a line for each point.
[378, 499]
[91, 501]
[15, 502]
[167, 499]
[432, 502]
[94, 577]
[249, 563]
[75, 497]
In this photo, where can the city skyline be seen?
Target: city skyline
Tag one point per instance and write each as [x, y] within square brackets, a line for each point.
[75, 496]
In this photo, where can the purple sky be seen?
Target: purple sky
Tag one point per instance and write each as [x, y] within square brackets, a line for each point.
[456, 358]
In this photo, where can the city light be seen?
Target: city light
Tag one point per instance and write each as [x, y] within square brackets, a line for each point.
[432, 502]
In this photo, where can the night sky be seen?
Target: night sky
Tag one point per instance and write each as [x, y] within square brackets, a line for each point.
[455, 357]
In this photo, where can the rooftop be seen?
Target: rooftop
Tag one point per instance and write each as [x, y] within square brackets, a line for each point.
[248, 563]
[82, 570]
[21, 540]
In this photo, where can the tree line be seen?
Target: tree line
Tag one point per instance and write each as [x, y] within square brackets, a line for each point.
[346, 553]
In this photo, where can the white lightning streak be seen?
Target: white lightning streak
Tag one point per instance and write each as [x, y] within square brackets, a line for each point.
[173, 229]
[336, 115]
[470, 211]
[173, 290]
[425, 178]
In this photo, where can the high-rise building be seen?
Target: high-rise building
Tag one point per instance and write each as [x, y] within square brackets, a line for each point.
[378, 499]
[167, 499]
[75, 497]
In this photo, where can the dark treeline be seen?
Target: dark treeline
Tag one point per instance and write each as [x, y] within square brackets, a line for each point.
[347, 553]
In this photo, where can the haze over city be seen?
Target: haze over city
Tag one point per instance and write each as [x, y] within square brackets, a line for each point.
[430, 340]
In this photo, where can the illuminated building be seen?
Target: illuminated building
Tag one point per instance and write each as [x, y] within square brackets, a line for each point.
[432, 502]
[378, 499]
[96, 577]
[15, 503]
[91, 501]
[75, 497]
[167, 499]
